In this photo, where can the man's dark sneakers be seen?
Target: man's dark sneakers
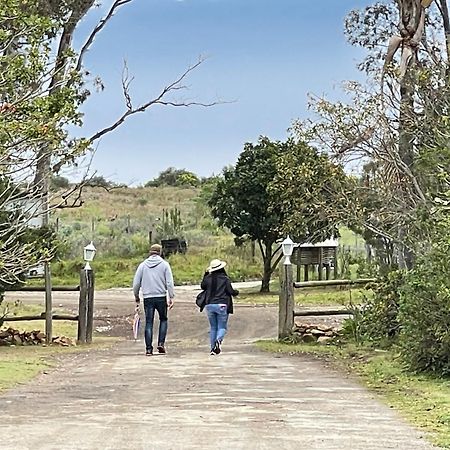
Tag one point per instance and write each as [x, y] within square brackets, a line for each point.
[149, 353]
[217, 349]
[161, 350]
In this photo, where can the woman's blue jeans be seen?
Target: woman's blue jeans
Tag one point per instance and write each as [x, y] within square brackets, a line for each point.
[150, 304]
[218, 320]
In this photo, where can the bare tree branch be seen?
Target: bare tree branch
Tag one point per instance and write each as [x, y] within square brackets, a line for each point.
[159, 100]
[116, 5]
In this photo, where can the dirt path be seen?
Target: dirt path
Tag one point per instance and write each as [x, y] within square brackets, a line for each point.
[241, 399]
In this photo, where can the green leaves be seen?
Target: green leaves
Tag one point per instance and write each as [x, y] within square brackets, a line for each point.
[241, 200]
[280, 188]
[309, 192]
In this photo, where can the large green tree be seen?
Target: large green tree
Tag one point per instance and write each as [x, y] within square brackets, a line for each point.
[274, 189]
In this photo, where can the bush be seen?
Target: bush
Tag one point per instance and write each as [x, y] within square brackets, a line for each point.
[424, 312]
[376, 321]
[58, 182]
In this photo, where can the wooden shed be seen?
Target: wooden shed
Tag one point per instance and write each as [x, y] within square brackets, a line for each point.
[316, 257]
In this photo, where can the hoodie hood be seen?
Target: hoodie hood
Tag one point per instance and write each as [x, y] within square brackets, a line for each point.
[153, 261]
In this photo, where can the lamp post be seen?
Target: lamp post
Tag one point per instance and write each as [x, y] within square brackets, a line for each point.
[288, 247]
[86, 308]
[89, 254]
[286, 298]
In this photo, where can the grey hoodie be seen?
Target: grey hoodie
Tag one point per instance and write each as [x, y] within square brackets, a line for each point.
[154, 276]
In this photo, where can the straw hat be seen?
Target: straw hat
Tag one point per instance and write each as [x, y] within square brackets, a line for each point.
[216, 264]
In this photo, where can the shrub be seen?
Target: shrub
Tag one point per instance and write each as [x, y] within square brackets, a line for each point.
[424, 312]
[58, 182]
[376, 321]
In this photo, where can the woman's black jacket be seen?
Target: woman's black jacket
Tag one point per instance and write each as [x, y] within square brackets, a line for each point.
[224, 291]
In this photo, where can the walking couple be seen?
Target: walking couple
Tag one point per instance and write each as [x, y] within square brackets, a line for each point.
[154, 278]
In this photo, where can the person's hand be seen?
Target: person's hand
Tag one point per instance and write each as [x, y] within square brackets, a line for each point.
[138, 307]
[170, 303]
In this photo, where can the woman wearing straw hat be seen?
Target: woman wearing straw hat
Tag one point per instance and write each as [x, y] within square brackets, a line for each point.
[219, 302]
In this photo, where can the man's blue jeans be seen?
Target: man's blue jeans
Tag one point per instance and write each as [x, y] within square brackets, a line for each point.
[218, 319]
[150, 304]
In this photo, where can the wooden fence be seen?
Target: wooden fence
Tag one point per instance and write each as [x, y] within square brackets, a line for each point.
[286, 312]
[85, 316]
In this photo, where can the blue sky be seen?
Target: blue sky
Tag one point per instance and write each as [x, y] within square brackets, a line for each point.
[264, 55]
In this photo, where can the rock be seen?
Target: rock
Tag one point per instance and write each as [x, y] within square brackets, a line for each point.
[308, 338]
[324, 340]
[316, 332]
[63, 341]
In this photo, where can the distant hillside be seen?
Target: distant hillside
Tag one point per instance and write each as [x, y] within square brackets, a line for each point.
[120, 222]
[140, 203]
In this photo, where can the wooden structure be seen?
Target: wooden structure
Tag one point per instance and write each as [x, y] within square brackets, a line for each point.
[170, 246]
[316, 257]
[85, 315]
[286, 304]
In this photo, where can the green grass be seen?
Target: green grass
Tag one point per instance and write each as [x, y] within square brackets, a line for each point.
[422, 399]
[109, 272]
[304, 297]
[19, 364]
[187, 269]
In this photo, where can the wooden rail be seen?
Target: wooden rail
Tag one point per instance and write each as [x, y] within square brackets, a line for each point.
[42, 289]
[328, 283]
[323, 312]
[40, 317]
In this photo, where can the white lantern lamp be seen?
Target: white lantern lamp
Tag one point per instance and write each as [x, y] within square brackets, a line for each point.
[288, 247]
[89, 254]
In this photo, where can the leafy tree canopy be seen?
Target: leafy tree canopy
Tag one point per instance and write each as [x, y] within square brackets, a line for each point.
[174, 177]
[279, 188]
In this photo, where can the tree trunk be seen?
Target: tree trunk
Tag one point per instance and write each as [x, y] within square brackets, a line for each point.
[411, 29]
[43, 168]
[446, 22]
[268, 270]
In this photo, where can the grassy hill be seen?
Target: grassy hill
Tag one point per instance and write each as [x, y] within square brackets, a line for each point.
[120, 223]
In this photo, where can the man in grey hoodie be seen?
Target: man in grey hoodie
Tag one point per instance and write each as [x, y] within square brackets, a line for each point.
[154, 278]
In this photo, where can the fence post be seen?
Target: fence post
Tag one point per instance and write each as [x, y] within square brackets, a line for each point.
[320, 265]
[48, 304]
[90, 305]
[336, 273]
[82, 308]
[286, 302]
